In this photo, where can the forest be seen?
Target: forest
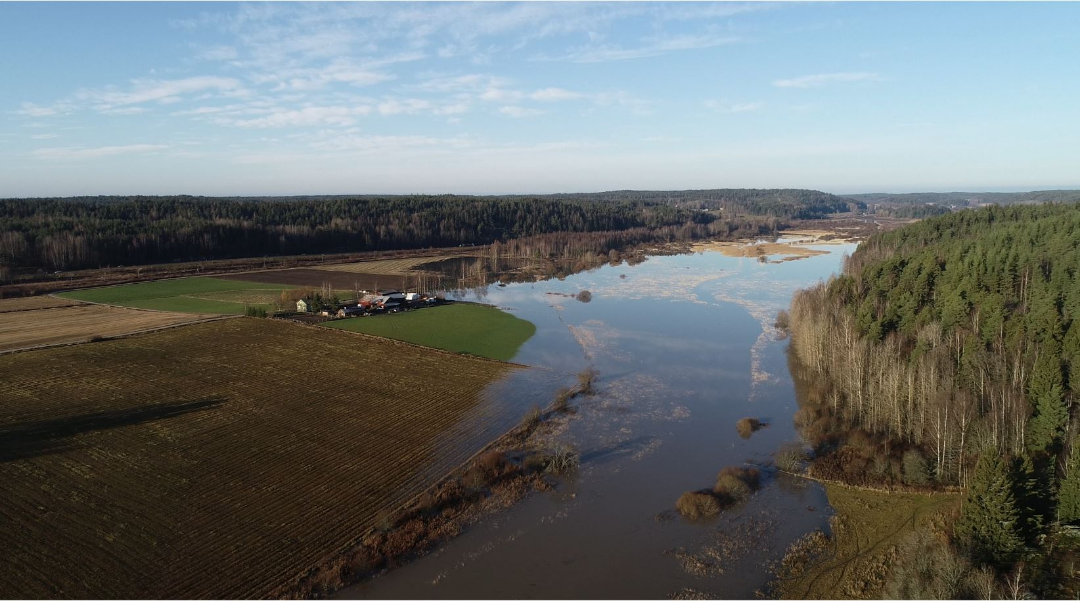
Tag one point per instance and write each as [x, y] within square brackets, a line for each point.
[948, 353]
[57, 234]
[966, 199]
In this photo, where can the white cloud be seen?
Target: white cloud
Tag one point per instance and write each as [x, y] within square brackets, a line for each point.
[44, 136]
[91, 153]
[554, 95]
[410, 106]
[29, 109]
[305, 117]
[822, 79]
[726, 107]
[218, 53]
[162, 91]
[653, 47]
[518, 112]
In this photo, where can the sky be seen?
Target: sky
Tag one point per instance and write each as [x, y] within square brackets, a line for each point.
[488, 98]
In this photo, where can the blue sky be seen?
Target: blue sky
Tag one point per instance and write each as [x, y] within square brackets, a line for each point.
[222, 98]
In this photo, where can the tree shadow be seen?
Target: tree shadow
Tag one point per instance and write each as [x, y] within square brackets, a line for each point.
[610, 452]
[43, 437]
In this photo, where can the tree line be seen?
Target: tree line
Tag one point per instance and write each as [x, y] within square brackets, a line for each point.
[84, 232]
[956, 341]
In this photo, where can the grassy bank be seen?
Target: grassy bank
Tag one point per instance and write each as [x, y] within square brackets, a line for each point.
[186, 295]
[868, 531]
[461, 327]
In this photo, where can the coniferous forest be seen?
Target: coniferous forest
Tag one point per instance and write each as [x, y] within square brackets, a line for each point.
[948, 353]
[88, 232]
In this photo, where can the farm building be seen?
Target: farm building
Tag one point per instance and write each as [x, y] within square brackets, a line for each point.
[301, 306]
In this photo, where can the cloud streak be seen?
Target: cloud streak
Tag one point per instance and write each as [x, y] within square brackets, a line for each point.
[823, 79]
[93, 153]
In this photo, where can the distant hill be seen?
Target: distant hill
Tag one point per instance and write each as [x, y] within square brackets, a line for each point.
[967, 199]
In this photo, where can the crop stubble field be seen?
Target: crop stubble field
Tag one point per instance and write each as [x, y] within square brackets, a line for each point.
[31, 303]
[79, 323]
[219, 459]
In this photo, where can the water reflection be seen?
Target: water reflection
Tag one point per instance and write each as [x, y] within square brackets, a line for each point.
[685, 347]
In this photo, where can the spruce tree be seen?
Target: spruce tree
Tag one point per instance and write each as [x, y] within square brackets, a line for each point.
[989, 526]
[1046, 394]
[1033, 488]
[1068, 509]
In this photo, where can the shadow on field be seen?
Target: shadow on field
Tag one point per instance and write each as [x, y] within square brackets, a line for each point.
[32, 439]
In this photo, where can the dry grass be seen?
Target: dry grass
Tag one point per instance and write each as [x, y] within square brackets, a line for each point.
[29, 303]
[80, 323]
[868, 531]
[764, 249]
[218, 460]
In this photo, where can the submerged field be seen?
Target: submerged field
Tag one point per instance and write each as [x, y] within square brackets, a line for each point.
[461, 327]
[220, 459]
[188, 295]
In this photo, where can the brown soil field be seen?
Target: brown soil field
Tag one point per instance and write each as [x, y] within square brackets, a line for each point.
[223, 459]
[30, 303]
[80, 323]
[387, 266]
[340, 280]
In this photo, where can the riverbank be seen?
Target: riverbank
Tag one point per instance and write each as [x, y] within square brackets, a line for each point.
[517, 464]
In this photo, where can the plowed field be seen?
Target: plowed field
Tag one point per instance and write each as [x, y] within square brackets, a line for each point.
[220, 459]
[65, 325]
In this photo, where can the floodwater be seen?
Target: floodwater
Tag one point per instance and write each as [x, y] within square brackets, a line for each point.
[684, 347]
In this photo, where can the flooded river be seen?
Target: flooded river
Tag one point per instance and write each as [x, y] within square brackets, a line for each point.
[684, 347]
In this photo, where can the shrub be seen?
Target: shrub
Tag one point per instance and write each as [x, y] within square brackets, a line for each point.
[783, 321]
[790, 457]
[737, 482]
[562, 460]
[584, 296]
[532, 418]
[915, 470]
[562, 400]
[254, 311]
[747, 426]
[698, 504]
[585, 381]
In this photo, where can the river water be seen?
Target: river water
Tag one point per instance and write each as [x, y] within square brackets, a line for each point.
[684, 348]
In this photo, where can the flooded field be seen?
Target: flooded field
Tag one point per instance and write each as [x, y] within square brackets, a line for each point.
[685, 347]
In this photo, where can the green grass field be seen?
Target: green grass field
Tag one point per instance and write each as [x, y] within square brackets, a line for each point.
[178, 295]
[460, 327]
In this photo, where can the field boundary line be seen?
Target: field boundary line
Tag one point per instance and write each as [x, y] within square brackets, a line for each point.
[39, 347]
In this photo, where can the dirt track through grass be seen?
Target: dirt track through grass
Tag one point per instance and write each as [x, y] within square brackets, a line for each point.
[867, 528]
[219, 459]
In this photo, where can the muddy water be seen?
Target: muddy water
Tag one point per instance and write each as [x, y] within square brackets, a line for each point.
[684, 347]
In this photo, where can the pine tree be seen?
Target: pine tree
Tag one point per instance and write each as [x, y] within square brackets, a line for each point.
[989, 525]
[1047, 423]
[1068, 509]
